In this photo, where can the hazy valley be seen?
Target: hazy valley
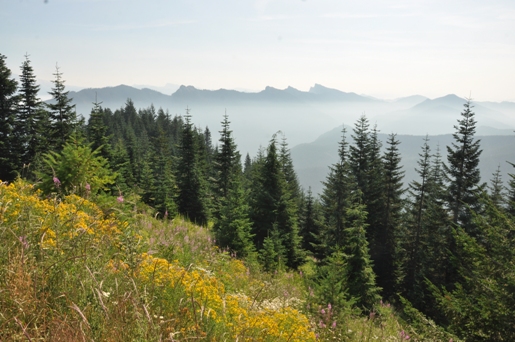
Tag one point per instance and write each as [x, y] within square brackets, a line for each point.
[311, 122]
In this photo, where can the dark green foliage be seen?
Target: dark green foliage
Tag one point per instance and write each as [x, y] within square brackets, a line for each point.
[387, 236]
[227, 165]
[272, 207]
[439, 222]
[97, 131]
[164, 187]
[9, 157]
[32, 122]
[290, 176]
[336, 199]
[359, 153]
[360, 275]
[63, 119]
[233, 227]
[247, 165]
[331, 283]
[311, 227]
[272, 253]
[76, 169]
[121, 164]
[426, 238]
[481, 305]
[497, 189]
[462, 171]
[190, 200]
[511, 193]
[416, 237]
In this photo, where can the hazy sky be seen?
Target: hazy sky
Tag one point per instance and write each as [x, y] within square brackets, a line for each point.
[380, 48]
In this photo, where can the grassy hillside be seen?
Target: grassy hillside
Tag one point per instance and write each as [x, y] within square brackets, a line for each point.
[104, 269]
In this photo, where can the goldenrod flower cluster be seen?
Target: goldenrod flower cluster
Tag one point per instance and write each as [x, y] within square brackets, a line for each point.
[57, 221]
[171, 300]
[205, 299]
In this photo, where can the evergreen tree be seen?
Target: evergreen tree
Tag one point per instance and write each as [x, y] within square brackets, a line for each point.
[360, 275]
[97, 130]
[274, 209]
[336, 198]
[190, 200]
[32, 122]
[9, 158]
[375, 201]
[311, 227]
[426, 240]
[480, 307]
[332, 284]
[165, 188]
[497, 189]
[415, 238]
[121, 164]
[359, 153]
[227, 161]
[63, 119]
[368, 169]
[440, 240]
[462, 171]
[232, 225]
[289, 172]
[511, 193]
[76, 169]
[247, 172]
[233, 228]
[387, 236]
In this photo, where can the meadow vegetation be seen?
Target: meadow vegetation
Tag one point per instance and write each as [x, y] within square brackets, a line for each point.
[72, 270]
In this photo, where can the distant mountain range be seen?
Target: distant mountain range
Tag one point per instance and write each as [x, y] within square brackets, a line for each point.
[308, 120]
[302, 115]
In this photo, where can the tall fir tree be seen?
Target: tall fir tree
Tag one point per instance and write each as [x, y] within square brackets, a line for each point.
[359, 153]
[425, 240]
[190, 200]
[9, 157]
[290, 176]
[480, 306]
[386, 265]
[165, 188]
[440, 240]
[97, 130]
[359, 267]
[232, 225]
[32, 122]
[462, 171]
[233, 228]
[374, 198]
[414, 239]
[336, 198]
[63, 119]
[311, 225]
[273, 210]
[227, 161]
[497, 189]
[511, 193]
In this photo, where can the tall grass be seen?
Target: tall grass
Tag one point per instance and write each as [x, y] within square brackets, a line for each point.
[71, 271]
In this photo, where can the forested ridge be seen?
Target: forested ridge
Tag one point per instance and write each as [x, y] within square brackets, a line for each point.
[441, 250]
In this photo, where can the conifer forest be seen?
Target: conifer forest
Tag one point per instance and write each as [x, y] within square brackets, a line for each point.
[134, 225]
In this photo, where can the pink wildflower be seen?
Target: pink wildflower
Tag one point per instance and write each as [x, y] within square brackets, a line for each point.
[57, 182]
[119, 199]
